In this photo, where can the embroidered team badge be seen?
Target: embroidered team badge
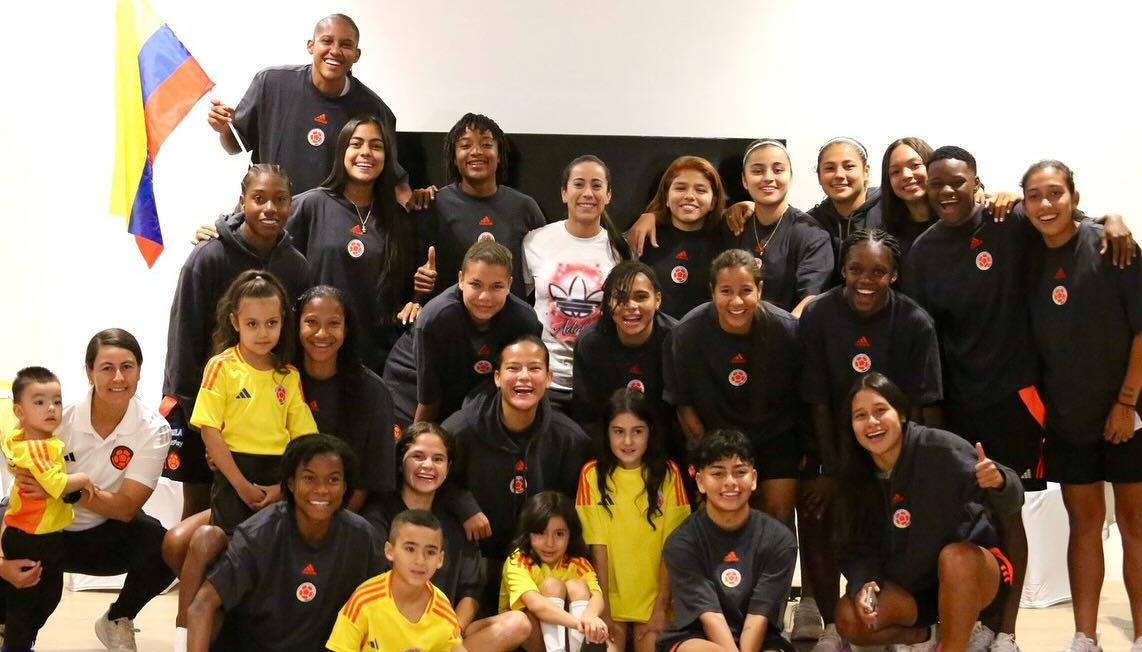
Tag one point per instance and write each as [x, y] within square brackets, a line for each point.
[306, 592]
[983, 261]
[861, 363]
[902, 518]
[482, 367]
[121, 457]
[356, 248]
[756, 262]
[738, 377]
[173, 461]
[731, 577]
[486, 236]
[518, 485]
[280, 394]
[1059, 295]
[637, 386]
[316, 137]
[679, 275]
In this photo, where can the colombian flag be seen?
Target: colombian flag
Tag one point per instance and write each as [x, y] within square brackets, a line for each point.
[156, 84]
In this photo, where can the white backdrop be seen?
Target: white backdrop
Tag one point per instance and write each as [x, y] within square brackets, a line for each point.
[1011, 81]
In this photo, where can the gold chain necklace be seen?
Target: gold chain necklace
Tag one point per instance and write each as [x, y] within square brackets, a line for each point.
[760, 248]
[363, 220]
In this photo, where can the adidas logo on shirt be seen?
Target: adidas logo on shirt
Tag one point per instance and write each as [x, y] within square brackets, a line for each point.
[321, 119]
[309, 570]
[863, 343]
[1026, 475]
[682, 256]
[245, 393]
[738, 359]
[487, 221]
[1060, 275]
[731, 557]
[636, 370]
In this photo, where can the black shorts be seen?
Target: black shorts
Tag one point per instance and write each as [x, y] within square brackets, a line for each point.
[186, 457]
[1097, 461]
[670, 641]
[777, 458]
[928, 600]
[1011, 432]
[227, 509]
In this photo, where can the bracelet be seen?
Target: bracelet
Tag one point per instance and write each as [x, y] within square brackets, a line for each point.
[1132, 406]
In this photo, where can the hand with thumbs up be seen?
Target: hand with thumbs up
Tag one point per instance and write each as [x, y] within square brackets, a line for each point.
[987, 474]
[424, 280]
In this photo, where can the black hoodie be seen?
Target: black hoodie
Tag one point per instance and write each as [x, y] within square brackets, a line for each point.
[930, 500]
[205, 276]
[552, 453]
[866, 216]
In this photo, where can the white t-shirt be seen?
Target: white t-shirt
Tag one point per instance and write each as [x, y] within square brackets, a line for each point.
[568, 274]
[135, 450]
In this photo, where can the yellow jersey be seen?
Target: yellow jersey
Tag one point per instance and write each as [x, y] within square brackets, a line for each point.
[634, 548]
[258, 412]
[370, 622]
[43, 458]
[522, 574]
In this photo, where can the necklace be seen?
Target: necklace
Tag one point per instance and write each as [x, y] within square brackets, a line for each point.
[760, 248]
[363, 220]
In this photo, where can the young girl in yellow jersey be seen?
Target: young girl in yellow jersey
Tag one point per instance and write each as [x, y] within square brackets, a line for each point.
[250, 404]
[548, 575]
[629, 501]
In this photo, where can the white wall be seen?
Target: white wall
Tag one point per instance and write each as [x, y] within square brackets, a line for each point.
[1010, 81]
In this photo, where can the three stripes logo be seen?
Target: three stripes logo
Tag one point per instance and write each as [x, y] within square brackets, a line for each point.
[245, 393]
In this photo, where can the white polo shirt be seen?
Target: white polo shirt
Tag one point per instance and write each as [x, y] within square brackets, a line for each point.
[135, 450]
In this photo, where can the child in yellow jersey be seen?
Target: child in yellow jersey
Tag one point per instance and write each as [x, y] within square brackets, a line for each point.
[548, 568]
[401, 609]
[250, 404]
[630, 500]
[33, 525]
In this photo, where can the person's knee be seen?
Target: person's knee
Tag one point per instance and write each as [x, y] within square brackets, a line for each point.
[849, 624]
[514, 628]
[208, 542]
[959, 564]
[577, 590]
[553, 588]
[1128, 514]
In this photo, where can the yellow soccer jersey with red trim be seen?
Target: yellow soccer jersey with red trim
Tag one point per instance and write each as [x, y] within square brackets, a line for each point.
[370, 621]
[634, 548]
[522, 574]
[43, 458]
[258, 412]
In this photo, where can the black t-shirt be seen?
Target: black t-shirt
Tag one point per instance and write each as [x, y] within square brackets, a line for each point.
[280, 594]
[868, 215]
[1085, 313]
[326, 228]
[284, 119]
[907, 234]
[366, 424]
[840, 346]
[682, 264]
[795, 253]
[748, 382]
[445, 356]
[734, 573]
[455, 221]
[462, 575]
[970, 279]
[604, 364]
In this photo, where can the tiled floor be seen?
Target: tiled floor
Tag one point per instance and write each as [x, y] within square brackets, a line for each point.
[70, 628]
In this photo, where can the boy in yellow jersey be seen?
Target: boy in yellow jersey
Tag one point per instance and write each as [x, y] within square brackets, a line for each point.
[401, 610]
[33, 526]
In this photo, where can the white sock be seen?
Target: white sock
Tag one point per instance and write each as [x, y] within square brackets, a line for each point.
[575, 637]
[554, 635]
[179, 639]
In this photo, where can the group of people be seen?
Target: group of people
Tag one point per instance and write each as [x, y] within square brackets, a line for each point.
[549, 436]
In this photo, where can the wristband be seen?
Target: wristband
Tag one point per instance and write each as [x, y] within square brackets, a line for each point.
[1132, 406]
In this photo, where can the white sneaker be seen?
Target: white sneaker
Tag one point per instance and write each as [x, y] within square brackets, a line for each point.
[116, 635]
[1137, 647]
[929, 645]
[981, 638]
[831, 641]
[807, 622]
[1004, 642]
[1080, 643]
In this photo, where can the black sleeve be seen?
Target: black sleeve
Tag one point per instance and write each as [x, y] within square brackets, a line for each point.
[815, 269]
[859, 558]
[815, 386]
[238, 571]
[472, 578]
[924, 363]
[188, 342]
[585, 399]
[775, 577]
[692, 593]
[246, 114]
[458, 502]
[301, 216]
[379, 454]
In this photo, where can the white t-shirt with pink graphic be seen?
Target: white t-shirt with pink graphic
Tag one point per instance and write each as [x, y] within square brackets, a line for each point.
[568, 274]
